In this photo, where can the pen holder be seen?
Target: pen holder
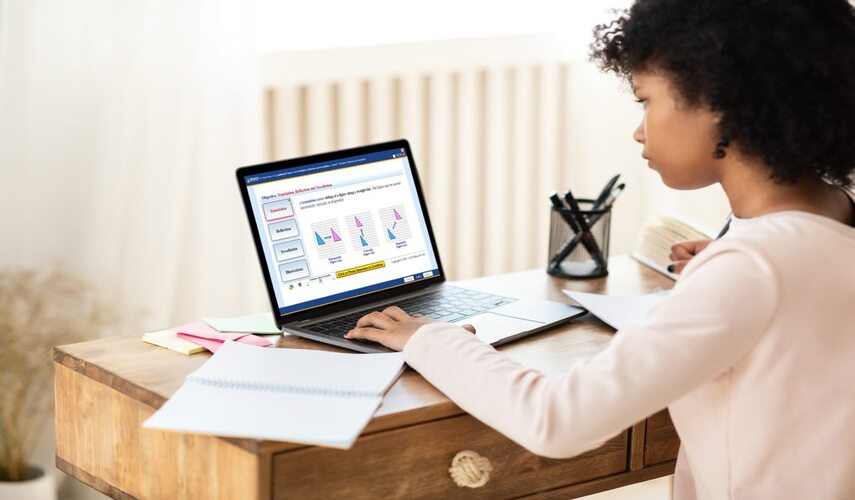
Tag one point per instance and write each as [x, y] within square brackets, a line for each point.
[574, 253]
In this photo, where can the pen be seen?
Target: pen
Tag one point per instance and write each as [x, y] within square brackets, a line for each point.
[726, 227]
[610, 200]
[570, 245]
[585, 230]
[561, 208]
[604, 194]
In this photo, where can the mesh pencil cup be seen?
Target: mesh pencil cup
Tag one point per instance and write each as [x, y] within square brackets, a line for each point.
[574, 253]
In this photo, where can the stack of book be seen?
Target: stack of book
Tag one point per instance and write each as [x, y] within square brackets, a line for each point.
[659, 233]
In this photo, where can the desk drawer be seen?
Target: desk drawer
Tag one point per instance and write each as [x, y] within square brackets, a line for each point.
[413, 462]
[661, 442]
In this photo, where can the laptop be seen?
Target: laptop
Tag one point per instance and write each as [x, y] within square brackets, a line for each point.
[342, 234]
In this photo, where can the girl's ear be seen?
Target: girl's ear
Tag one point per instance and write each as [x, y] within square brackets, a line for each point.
[720, 150]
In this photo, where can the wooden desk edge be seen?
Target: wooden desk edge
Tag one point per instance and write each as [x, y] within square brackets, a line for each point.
[108, 378]
[154, 400]
[93, 482]
[608, 482]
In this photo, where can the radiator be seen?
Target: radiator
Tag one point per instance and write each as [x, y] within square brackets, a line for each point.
[489, 144]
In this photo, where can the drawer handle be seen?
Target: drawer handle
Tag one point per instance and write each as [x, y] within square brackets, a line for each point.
[470, 469]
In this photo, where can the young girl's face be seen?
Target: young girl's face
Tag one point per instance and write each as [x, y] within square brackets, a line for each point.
[679, 140]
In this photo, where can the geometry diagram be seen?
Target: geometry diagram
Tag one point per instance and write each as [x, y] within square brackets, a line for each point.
[395, 224]
[327, 238]
[360, 227]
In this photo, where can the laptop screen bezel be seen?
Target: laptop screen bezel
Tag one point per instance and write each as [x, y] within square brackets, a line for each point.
[351, 302]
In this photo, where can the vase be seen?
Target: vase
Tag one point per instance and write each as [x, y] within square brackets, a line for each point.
[40, 486]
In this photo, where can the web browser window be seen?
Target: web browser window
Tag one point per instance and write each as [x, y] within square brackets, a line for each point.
[339, 229]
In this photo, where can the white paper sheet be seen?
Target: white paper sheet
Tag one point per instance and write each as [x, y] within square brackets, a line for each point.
[618, 311]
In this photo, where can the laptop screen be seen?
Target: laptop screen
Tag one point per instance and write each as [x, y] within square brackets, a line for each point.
[335, 230]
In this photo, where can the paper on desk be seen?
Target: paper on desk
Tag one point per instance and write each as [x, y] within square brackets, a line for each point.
[202, 334]
[261, 323]
[296, 395]
[618, 311]
[170, 340]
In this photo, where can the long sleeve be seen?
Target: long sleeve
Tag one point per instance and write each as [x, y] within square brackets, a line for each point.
[714, 315]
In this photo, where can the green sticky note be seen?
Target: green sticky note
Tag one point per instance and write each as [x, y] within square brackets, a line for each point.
[261, 323]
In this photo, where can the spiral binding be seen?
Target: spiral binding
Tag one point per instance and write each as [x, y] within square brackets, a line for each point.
[222, 383]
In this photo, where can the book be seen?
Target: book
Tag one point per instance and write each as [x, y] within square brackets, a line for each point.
[296, 395]
[658, 234]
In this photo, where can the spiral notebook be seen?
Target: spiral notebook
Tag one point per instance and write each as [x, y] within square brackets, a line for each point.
[295, 395]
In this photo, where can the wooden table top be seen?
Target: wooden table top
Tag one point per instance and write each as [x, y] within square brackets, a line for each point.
[151, 374]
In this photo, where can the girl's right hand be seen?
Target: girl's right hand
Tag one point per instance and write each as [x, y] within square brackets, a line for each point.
[682, 253]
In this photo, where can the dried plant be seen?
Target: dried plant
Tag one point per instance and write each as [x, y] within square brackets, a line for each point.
[38, 310]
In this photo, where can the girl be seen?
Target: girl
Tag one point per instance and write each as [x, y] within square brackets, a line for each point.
[752, 351]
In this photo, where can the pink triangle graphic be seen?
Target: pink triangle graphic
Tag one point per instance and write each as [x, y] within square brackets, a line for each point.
[334, 235]
[358, 223]
[397, 215]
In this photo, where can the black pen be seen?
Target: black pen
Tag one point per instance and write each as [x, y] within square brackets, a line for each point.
[607, 190]
[561, 208]
[611, 199]
[726, 226]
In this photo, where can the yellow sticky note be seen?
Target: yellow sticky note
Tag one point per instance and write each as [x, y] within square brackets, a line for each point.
[170, 340]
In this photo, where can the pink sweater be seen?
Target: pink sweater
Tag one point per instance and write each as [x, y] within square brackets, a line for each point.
[753, 353]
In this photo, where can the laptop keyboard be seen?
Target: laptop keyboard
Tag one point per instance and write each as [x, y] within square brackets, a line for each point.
[449, 305]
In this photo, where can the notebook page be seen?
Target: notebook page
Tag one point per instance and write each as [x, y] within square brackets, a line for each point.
[303, 368]
[295, 395]
[298, 418]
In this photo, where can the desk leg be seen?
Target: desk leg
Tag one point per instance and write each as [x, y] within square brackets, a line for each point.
[636, 445]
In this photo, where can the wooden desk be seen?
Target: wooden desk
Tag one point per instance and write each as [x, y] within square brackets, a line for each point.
[106, 388]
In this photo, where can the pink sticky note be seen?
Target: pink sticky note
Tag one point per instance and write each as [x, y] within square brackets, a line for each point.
[202, 334]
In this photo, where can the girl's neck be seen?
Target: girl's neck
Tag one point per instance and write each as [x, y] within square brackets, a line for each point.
[753, 193]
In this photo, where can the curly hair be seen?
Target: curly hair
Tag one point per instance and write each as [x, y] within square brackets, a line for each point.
[781, 73]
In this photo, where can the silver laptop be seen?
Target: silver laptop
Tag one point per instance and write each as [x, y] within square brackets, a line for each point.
[345, 233]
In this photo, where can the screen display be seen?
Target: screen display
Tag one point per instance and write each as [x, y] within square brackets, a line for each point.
[339, 229]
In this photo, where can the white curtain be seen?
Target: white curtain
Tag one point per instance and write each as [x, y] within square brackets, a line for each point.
[121, 124]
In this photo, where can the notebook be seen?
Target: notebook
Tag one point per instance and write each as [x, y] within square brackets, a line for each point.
[295, 395]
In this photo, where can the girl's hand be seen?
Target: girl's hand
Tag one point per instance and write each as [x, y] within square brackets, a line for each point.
[682, 253]
[393, 327]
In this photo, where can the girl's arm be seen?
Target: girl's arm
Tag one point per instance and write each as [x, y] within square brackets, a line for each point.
[714, 315]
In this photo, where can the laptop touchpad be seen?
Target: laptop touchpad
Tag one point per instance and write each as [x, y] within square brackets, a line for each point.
[492, 328]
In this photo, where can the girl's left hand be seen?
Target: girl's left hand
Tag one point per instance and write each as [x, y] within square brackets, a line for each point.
[683, 252]
[393, 327]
